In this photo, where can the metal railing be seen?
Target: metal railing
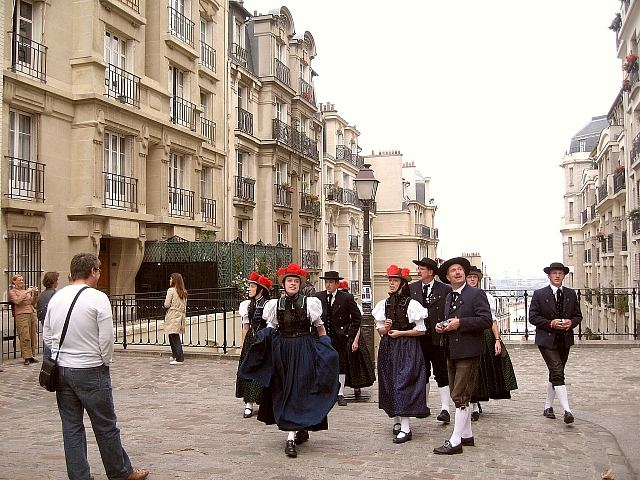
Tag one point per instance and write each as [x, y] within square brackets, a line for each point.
[623, 241]
[332, 241]
[288, 135]
[183, 112]
[239, 54]
[181, 202]
[133, 4]
[306, 91]
[350, 197]
[207, 56]
[602, 192]
[180, 26]
[635, 148]
[343, 153]
[283, 73]
[245, 121]
[282, 196]
[310, 204]
[208, 210]
[120, 192]
[592, 212]
[122, 85]
[208, 130]
[583, 216]
[423, 231]
[618, 181]
[28, 56]
[610, 243]
[26, 179]
[354, 243]
[245, 188]
[310, 258]
[281, 131]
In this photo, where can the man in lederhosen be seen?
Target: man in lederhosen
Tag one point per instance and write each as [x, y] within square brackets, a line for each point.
[341, 318]
[431, 294]
[555, 311]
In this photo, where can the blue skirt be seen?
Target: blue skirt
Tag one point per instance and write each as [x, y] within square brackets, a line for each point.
[402, 377]
[299, 376]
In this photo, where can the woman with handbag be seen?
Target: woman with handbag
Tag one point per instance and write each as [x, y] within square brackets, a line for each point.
[174, 320]
[25, 317]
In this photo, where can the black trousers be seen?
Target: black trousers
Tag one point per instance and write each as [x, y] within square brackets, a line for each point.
[556, 359]
[435, 355]
[176, 347]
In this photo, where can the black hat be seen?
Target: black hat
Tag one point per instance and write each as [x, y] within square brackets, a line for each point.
[556, 266]
[444, 268]
[331, 275]
[428, 263]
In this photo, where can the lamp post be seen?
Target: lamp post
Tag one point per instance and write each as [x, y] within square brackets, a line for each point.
[366, 188]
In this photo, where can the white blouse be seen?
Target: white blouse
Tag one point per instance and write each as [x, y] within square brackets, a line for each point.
[243, 310]
[314, 312]
[415, 312]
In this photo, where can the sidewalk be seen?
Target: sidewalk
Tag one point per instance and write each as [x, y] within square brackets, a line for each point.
[184, 422]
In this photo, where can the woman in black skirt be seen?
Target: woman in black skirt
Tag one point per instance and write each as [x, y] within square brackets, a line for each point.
[401, 369]
[298, 370]
[252, 321]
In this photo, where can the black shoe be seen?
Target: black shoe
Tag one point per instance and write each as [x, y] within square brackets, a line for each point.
[568, 417]
[444, 417]
[548, 412]
[342, 402]
[448, 449]
[468, 442]
[33, 360]
[301, 437]
[290, 449]
[405, 438]
[26, 361]
[428, 414]
[475, 416]
[248, 413]
[396, 428]
[357, 392]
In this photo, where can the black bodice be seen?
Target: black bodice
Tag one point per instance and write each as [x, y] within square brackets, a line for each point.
[395, 308]
[255, 314]
[292, 317]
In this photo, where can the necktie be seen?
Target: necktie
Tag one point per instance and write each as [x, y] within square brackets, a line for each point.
[425, 293]
[559, 302]
[454, 297]
[329, 298]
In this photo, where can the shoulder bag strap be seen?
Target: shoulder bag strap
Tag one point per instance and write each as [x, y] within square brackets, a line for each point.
[66, 322]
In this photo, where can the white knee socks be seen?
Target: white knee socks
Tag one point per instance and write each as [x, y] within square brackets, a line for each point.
[404, 424]
[466, 431]
[474, 407]
[292, 436]
[563, 397]
[445, 395]
[462, 417]
[427, 397]
[248, 405]
[342, 377]
[551, 395]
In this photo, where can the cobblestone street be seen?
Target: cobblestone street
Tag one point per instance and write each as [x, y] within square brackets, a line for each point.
[184, 422]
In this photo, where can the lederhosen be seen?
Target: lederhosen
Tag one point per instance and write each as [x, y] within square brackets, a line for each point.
[432, 349]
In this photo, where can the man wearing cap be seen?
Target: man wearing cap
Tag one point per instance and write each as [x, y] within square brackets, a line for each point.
[431, 293]
[341, 318]
[467, 315]
[555, 312]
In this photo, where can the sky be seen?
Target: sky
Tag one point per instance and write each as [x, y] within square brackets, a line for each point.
[482, 96]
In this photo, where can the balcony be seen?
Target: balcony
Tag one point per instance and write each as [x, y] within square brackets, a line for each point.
[180, 202]
[435, 232]
[282, 196]
[132, 4]
[282, 72]
[350, 197]
[343, 153]
[354, 243]
[332, 241]
[208, 209]
[245, 188]
[355, 287]
[183, 113]
[584, 216]
[245, 121]
[122, 85]
[180, 27]
[310, 204]
[306, 92]
[635, 225]
[281, 131]
[28, 57]
[239, 54]
[635, 149]
[423, 231]
[208, 130]
[618, 181]
[120, 192]
[592, 212]
[602, 192]
[310, 259]
[334, 193]
[25, 179]
[298, 141]
[207, 56]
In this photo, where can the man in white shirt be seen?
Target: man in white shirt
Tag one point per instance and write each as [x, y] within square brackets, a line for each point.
[84, 382]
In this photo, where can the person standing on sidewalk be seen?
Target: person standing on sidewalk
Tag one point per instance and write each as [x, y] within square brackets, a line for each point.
[555, 312]
[50, 284]
[84, 381]
[25, 317]
[431, 293]
[176, 304]
[467, 315]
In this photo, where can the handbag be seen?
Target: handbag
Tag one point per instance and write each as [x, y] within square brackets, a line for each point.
[48, 377]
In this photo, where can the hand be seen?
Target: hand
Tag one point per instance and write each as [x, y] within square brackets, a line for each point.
[354, 346]
[387, 324]
[439, 328]
[394, 333]
[454, 324]
[498, 347]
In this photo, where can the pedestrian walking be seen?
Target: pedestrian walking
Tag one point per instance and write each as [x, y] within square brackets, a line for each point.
[50, 284]
[252, 322]
[402, 375]
[25, 317]
[84, 380]
[298, 370]
[555, 312]
[174, 319]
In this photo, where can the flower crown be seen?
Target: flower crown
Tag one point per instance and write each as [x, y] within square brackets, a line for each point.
[261, 280]
[293, 269]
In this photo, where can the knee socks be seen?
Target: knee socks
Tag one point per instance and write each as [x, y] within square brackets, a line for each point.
[463, 415]
[551, 395]
[342, 377]
[445, 396]
[563, 397]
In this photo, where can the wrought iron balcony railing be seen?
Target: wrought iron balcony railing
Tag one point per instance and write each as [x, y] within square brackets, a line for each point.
[635, 225]
[180, 202]
[332, 241]
[350, 197]
[302, 144]
[281, 132]
[25, 179]
[423, 231]
[208, 209]
[282, 72]
[343, 153]
[602, 192]
[592, 212]
[28, 56]
[618, 181]
[624, 241]
[310, 204]
[583, 216]
[282, 196]
[180, 26]
[122, 85]
[306, 91]
[133, 4]
[354, 243]
[207, 56]
[310, 258]
[245, 188]
[239, 54]
[120, 192]
[245, 121]
[183, 112]
[208, 130]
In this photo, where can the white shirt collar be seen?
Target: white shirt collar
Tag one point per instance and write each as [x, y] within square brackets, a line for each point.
[554, 289]
[430, 283]
[459, 290]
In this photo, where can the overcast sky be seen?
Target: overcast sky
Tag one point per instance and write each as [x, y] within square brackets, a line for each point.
[483, 96]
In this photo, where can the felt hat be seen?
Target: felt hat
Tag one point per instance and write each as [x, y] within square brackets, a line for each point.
[260, 280]
[292, 270]
[444, 268]
[331, 275]
[428, 263]
[556, 266]
[393, 271]
[343, 285]
[476, 271]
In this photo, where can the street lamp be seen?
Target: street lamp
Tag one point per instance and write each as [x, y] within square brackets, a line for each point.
[366, 188]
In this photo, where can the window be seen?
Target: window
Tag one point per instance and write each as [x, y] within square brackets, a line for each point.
[238, 33]
[330, 178]
[178, 5]
[305, 238]
[304, 121]
[281, 52]
[176, 170]
[339, 138]
[570, 245]
[570, 211]
[181, 109]
[346, 181]
[115, 50]
[354, 269]
[582, 146]
[281, 112]
[119, 189]
[303, 71]
[304, 182]
[242, 232]
[28, 56]
[281, 233]
[207, 53]
[242, 97]
[26, 176]
[24, 256]
[21, 135]
[571, 176]
[281, 173]
[206, 182]
[240, 167]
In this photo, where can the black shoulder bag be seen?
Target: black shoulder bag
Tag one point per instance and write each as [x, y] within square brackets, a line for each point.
[49, 371]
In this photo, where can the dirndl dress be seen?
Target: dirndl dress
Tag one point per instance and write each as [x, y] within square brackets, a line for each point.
[360, 371]
[402, 377]
[496, 378]
[249, 390]
[298, 370]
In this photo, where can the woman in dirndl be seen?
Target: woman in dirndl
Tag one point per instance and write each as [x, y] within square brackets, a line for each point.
[252, 321]
[402, 376]
[298, 370]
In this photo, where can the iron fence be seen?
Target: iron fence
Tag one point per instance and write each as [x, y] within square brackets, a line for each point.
[120, 192]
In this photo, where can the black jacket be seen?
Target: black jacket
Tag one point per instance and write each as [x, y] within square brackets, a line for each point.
[434, 303]
[345, 315]
[543, 310]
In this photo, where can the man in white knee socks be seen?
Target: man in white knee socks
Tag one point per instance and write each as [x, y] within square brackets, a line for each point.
[467, 315]
[555, 312]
